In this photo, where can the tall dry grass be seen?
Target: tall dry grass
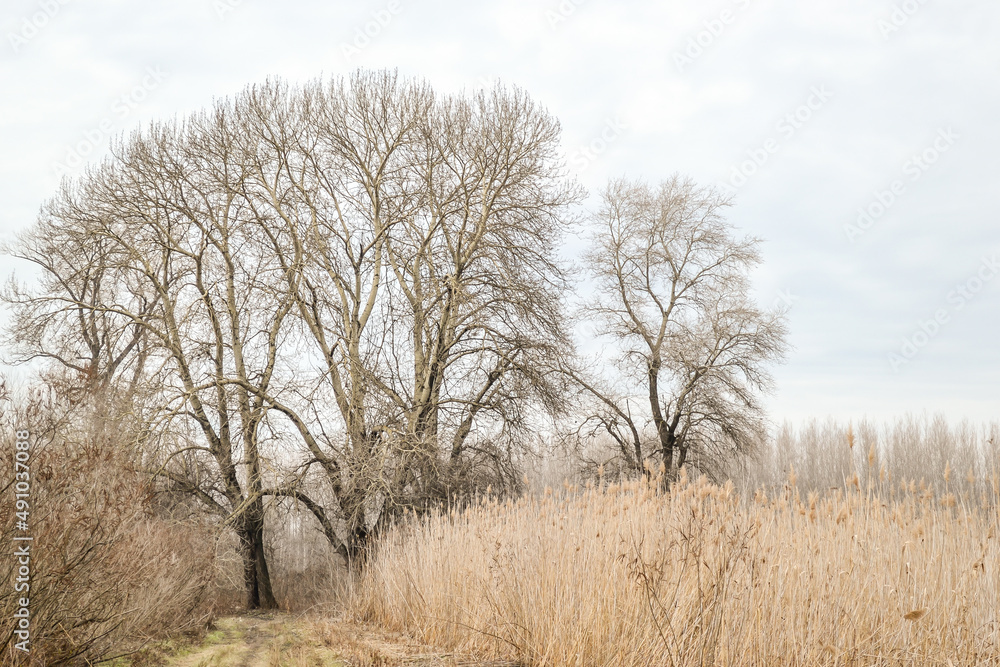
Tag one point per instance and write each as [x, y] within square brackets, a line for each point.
[622, 574]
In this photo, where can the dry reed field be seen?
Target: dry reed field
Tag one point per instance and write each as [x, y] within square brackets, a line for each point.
[627, 574]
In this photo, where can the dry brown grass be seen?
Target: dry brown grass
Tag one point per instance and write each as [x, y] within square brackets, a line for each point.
[621, 574]
[278, 639]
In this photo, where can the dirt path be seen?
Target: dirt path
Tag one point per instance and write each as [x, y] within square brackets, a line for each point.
[287, 640]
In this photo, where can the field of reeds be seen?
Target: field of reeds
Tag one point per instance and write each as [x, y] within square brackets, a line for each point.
[889, 573]
[838, 544]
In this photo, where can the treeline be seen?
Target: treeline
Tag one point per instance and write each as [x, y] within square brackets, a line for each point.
[925, 452]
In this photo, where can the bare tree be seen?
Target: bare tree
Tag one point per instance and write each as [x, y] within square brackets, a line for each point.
[344, 295]
[672, 293]
[425, 228]
[61, 321]
[476, 267]
[176, 246]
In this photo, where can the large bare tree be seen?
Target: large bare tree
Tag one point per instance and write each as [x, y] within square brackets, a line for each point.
[425, 228]
[344, 294]
[673, 296]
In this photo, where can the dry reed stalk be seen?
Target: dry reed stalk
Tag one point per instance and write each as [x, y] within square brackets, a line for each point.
[624, 574]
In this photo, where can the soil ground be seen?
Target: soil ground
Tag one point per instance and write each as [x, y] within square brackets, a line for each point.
[289, 640]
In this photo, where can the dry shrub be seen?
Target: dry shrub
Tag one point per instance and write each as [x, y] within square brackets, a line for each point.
[622, 574]
[107, 574]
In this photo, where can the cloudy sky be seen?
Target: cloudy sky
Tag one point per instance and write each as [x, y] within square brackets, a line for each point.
[859, 138]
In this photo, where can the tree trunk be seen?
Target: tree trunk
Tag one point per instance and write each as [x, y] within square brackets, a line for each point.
[668, 457]
[663, 432]
[682, 458]
[256, 576]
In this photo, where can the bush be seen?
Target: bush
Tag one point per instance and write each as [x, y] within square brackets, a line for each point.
[107, 574]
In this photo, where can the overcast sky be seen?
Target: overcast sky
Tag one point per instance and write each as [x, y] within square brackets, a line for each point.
[859, 137]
